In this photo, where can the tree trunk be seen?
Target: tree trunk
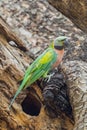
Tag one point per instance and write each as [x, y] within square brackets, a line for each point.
[76, 73]
[13, 61]
[27, 112]
[76, 10]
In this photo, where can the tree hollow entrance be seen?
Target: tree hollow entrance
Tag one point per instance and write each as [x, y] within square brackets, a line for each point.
[31, 105]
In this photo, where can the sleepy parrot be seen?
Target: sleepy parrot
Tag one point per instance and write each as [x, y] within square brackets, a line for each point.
[49, 59]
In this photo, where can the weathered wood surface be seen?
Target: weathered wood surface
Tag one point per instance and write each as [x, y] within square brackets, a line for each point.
[76, 73]
[76, 10]
[13, 62]
[9, 35]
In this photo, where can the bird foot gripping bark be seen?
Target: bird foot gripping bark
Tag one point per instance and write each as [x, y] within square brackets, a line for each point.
[48, 77]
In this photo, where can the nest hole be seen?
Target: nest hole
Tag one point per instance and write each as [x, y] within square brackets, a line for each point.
[31, 105]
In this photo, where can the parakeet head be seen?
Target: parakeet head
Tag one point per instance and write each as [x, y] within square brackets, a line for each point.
[59, 42]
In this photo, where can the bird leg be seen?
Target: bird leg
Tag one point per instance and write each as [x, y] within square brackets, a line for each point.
[48, 76]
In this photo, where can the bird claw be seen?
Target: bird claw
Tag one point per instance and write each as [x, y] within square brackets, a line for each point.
[49, 77]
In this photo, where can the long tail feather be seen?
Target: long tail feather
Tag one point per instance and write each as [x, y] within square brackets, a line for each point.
[18, 91]
[21, 87]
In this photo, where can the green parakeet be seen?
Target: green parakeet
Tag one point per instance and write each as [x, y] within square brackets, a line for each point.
[50, 58]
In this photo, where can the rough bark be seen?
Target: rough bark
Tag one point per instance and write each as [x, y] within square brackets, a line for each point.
[13, 62]
[76, 10]
[9, 35]
[76, 72]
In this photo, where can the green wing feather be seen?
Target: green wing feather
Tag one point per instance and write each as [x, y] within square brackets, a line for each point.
[37, 69]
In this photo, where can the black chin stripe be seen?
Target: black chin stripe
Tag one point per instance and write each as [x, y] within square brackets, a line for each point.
[59, 47]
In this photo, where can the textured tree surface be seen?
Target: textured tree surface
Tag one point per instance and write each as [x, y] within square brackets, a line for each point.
[13, 62]
[27, 112]
[76, 10]
[76, 72]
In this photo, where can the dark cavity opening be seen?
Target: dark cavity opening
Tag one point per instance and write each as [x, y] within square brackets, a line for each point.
[31, 105]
